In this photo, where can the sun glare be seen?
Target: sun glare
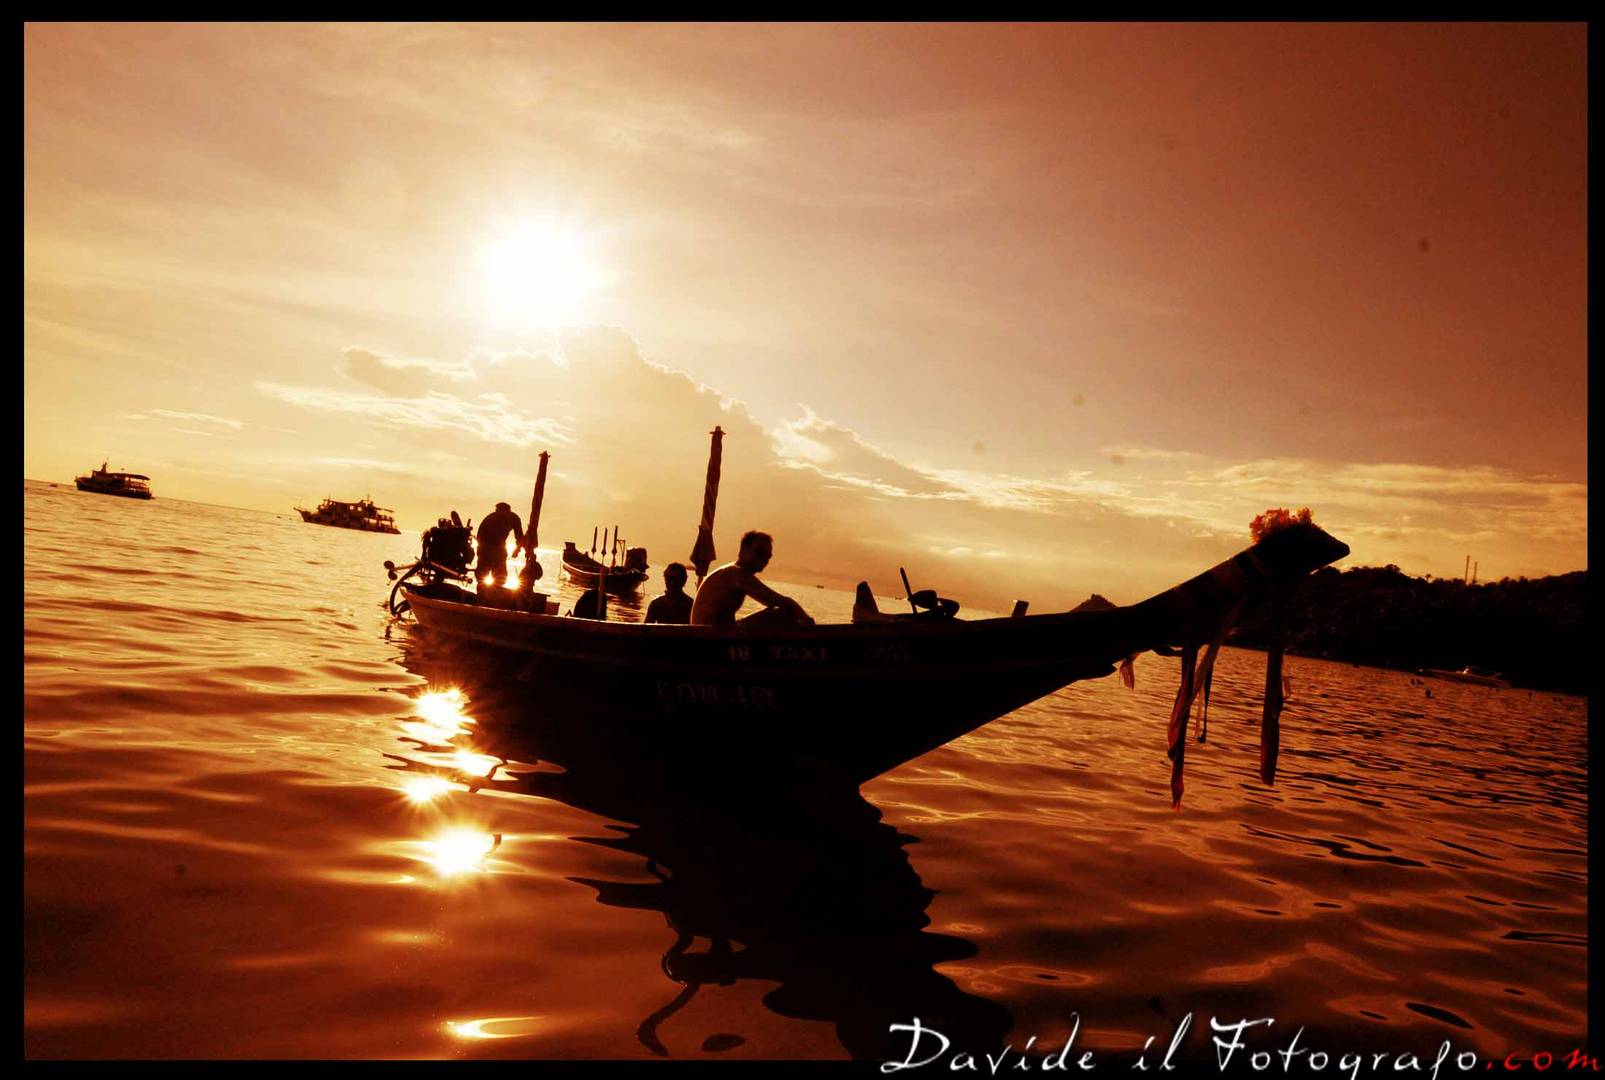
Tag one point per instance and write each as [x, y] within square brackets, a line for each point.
[537, 274]
[424, 789]
[460, 851]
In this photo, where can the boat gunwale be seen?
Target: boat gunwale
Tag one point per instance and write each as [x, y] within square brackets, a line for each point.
[890, 627]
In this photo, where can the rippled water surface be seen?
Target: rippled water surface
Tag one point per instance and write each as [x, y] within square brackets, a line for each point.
[262, 819]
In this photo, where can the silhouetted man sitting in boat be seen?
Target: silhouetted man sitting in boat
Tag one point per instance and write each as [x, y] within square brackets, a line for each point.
[724, 591]
[492, 538]
[674, 606]
[591, 605]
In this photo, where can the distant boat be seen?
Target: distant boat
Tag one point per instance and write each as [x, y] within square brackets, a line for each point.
[127, 484]
[361, 514]
[622, 580]
[1467, 675]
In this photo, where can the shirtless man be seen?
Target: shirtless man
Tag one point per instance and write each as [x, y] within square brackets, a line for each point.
[724, 591]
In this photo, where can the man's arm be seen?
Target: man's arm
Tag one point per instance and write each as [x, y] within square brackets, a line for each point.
[767, 596]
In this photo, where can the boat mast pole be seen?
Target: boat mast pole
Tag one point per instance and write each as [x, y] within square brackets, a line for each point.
[535, 520]
[702, 553]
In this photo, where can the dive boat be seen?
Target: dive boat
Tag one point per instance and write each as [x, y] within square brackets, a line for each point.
[127, 484]
[855, 699]
[362, 514]
[1468, 675]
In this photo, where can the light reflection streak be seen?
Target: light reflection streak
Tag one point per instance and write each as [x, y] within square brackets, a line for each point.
[460, 851]
[424, 789]
[442, 708]
[476, 1029]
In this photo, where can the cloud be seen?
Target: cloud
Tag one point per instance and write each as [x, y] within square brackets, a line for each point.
[839, 453]
[397, 376]
[483, 417]
[629, 440]
[205, 418]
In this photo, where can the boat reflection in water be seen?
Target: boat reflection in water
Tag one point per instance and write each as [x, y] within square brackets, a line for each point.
[785, 878]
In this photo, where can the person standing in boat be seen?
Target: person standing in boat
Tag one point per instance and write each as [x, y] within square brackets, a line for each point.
[492, 538]
[674, 606]
[724, 591]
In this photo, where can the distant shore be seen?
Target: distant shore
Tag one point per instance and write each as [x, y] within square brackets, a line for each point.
[1530, 631]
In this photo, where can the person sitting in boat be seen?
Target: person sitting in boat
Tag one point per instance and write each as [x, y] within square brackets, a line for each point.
[674, 606]
[724, 591]
[492, 538]
[590, 605]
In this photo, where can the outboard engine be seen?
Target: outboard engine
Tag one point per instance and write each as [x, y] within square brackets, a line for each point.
[450, 545]
[447, 552]
[635, 559]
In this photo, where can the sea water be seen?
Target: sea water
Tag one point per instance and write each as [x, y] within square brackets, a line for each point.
[262, 818]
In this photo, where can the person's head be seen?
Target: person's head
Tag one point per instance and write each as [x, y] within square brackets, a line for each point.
[757, 548]
[502, 506]
[674, 576]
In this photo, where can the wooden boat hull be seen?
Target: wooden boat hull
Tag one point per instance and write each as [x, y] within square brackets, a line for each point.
[853, 699]
[620, 582]
[1469, 677]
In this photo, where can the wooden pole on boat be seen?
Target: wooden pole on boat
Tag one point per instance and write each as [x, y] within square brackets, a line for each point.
[535, 506]
[593, 539]
[908, 590]
[702, 553]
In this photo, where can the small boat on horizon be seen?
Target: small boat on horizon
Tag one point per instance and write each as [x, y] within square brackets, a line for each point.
[362, 515]
[1469, 675]
[126, 484]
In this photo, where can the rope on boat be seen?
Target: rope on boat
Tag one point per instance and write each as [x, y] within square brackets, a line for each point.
[1178, 722]
[1270, 732]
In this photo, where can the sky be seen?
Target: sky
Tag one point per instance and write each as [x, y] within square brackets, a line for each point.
[1034, 311]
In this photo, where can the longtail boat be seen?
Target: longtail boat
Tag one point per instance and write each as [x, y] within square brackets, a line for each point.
[1469, 675]
[624, 579]
[858, 699]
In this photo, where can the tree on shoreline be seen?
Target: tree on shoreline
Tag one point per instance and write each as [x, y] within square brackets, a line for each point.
[1532, 631]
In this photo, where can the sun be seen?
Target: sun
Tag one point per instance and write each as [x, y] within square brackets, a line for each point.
[537, 274]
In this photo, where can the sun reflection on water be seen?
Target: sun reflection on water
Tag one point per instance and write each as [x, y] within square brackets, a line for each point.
[479, 1029]
[424, 789]
[460, 851]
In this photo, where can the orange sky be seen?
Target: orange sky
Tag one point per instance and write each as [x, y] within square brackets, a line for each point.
[1035, 311]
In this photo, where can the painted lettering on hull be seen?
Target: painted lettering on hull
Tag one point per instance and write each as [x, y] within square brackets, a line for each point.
[681, 696]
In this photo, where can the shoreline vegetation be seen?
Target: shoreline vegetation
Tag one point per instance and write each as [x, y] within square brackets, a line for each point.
[1530, 631]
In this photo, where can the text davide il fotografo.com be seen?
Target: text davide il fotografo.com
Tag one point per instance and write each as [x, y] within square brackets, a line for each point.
[929, 1048]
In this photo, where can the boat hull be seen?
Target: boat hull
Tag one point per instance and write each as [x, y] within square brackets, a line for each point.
[620, 582]
[852, 699]
[110, 489]
[315, 518]
[1469, 677]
